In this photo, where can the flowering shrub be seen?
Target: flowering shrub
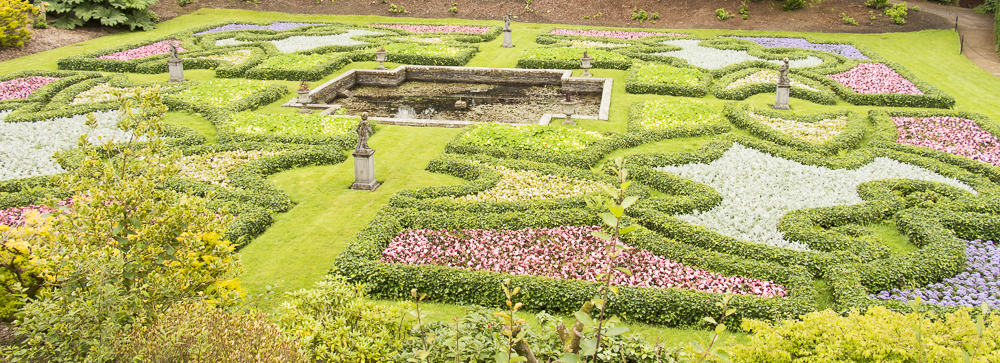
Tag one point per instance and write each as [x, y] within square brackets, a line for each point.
[875, 78]
[276, 26]
[160, 47]
[22, 87]
[846, 50]
[617, 34]
[26, 148]
[214, 168]
[757, 189]
[436, 28]
[566, 252]
[236, 57]
[15, 216]
[766, 76]
[103, 92]
[522, 185]
[592, 44]
[295, 124]
[818, 132]
[531, 137]
[953, 135]
[673, 113]
[978, 284]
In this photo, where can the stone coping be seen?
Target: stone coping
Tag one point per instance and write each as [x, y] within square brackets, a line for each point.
[446, 74]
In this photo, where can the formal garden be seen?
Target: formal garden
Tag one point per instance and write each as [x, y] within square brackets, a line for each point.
[676, 218]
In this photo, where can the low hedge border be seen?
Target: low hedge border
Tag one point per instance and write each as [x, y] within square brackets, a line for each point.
[464, 55]
[490, 34]
[196, 60]
[341, 142]
[673, 307]
[292, 74]
[830, 61]
[272, 93]
[546, 37]
[648, 135]
[816, 262]
[849, 138]
[932, 97]
[823, 96]
[59, 104]
[885, 135]
[263, 38]
[90, 62]
[868, 52]
[633, 84]
[603, 59]
[481, 178]
[46, 92]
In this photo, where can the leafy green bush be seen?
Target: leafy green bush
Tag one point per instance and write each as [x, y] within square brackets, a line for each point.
[722, 14]
[134, 14]
[293, 67]
[335, 323]
[14, 22]
[847, 19]
[897, 12]
[204, 333]
[227, 94]
[876, 4]
[667, 114]
[664, 79]
[793, 5]
[877, 335]
[569, 58]
[292, 128]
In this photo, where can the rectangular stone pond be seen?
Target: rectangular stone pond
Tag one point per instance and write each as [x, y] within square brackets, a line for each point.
[427, 95]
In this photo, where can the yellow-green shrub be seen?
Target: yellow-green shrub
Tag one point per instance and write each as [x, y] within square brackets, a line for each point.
[879, 335]
[14, 22]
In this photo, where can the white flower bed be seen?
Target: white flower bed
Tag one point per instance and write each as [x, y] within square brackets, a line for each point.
[26, 148]
[102, 92]
[214, 168]
[766, 76]
[818, 132]
[713, 58]
[305, 42]
[758, 189]
[520, 185]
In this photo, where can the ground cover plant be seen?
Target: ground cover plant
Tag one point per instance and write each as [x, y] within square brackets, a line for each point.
[905, 198]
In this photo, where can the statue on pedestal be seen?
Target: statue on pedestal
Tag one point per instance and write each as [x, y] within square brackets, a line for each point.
[364, 158]
[783, 74]
[506, 22]
[364, 130]
[175, 65]
[783, 89]
[173, 49]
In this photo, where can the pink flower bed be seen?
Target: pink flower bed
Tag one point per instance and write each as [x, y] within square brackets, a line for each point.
[161, 47]
[612, 33]
[566, 252]
[875, 78]
[15, 216]
[954, 135]
[22, 87]
[437, 28]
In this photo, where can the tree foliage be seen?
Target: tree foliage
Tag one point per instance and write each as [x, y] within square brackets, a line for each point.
[131, 13]
[14, 22]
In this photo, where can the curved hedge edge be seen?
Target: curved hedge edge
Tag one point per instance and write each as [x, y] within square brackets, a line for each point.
[45, 93]
[823, 97]
[90, 62]
[197, 60]
[481, 177]
[60, 104]
[849, 138]
[490, 34]
[272, 93]
[635, 86]
[674, 307]
[886, 134]
[932, 97]
[603, 59]
[310, 74]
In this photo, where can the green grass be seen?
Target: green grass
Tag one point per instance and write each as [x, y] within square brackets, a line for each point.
[301, 245]
[890, 236]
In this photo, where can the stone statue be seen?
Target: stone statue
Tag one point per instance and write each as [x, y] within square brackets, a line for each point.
[783, 74]
[364, 131]
[506, 22]
[173, 50]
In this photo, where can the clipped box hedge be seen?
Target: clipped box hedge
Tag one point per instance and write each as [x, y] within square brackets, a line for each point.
[932, 97]
[822, 96]
[849, 138]
[664, 79]
[569, 58]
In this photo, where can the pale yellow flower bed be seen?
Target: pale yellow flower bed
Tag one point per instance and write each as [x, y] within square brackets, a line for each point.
[214, 168]
[766, 77]
[818, 132]
[423, 40]
[522, 185]
[593, 44]
[102, 92]
[235, 57]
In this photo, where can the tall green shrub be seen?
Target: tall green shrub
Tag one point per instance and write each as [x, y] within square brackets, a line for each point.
[14, 22]
[131, 13]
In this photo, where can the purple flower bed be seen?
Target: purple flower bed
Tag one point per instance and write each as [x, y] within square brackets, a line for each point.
[160, 47]
[14, 217]
[22, 87]
[617, 34]
[845, 50]
[566, 252]
[277, 26]
[875, 78]
[436, 28]
[953, 135]
[979, 283]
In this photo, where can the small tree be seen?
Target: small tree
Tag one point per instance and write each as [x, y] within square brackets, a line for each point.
[14, 22]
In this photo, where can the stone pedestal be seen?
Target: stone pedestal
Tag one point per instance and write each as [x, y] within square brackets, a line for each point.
[176, 70]
[569, 108]
[507, 39]
[364, 171]
[782, 101]
[304, 98]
